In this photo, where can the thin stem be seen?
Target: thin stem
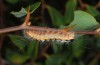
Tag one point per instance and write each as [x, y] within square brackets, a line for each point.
[16, 28]
[82, 5]
[11, 29]
[42, 10]
[86, 32]
[97, 5]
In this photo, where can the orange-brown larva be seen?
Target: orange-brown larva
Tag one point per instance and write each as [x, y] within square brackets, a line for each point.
[49, 34]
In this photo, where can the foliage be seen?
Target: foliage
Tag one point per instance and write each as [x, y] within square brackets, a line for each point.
[78, 52]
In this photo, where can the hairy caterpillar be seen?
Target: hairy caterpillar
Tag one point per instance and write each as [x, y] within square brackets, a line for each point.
[49, 34]
[43, 33]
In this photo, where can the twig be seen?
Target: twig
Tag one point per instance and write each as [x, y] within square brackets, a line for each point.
[16, 28]
[98, 4]
[10, 29]
[82, 5]
[42, 10]
[86, 32]
[93, 62]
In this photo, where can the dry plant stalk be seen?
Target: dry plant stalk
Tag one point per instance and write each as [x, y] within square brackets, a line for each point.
[43, 33]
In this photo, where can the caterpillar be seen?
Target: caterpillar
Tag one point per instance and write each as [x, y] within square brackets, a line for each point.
[44, 34]
[49, 34]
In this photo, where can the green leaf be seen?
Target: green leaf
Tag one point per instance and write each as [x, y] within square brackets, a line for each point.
[69, 61]
[81, 63]
[39, 63]
[20, 13]
[94, 12]
[83, 21]
[33, 49]
[34, 6]
[57, 59]
[69, 13]
[19, 41]
[78, 47]
[36, 50]
[57, 18]
[23, 11]
[57, 47]
[15, 57]
[98, 42]
[94, 61]
[12, 1]
[98, 17]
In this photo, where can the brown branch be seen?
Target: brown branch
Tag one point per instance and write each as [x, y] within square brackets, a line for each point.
[97, 56]
[10, 29]
[82, 5]
[16, 28]
[98, 5]
[42, 10]
[86, 32]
